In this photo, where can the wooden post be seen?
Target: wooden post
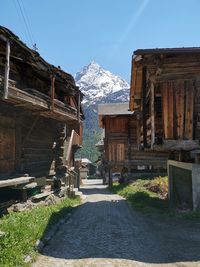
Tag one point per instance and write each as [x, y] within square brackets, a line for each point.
[138, 117]
[110, 182]
[152, 115]
[52, 91]
[144, 71]
[7, 70]
[175, 126]
[184, 109]
[79, 106]
[129, 139]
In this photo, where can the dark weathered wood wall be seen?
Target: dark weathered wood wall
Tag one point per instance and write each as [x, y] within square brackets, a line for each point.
[28, 142]
[177, 100]
[168, 99]
[7, 143]
[38, 149]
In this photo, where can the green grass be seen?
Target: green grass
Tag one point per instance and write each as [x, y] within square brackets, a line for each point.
[145, 194]
[149, 195]
[23, 229]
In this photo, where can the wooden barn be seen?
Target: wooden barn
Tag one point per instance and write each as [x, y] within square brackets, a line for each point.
[40, 115]
[117, 123]
[121, 149]
[165, 92]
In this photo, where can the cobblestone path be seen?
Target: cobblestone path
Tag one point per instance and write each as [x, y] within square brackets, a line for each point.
[106, 231]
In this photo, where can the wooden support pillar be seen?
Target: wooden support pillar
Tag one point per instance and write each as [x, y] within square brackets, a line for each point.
[138, 131]
[79, 107]
[144, 72]
[129, 139]
[110, 181]
[152, 115]
[7, 70]
[52, 91]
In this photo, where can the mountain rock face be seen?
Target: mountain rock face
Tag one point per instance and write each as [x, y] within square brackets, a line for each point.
[99, 86]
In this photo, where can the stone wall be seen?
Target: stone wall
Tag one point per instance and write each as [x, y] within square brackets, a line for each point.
[184, 184]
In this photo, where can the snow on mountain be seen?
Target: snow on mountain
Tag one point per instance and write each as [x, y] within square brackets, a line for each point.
[101, 86]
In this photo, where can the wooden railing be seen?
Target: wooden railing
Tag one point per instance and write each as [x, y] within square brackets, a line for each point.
[75, 140]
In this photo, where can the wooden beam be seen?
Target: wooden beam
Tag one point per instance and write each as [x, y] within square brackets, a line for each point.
[16, 181]
[175, 125]
[42, 195]
[144, 71]
[52, 91]
[152, 115]
[7, 70]
[79, 107]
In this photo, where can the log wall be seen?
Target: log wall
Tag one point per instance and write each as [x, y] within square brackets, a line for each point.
[38, 149]
[29, 143]
[172, 111]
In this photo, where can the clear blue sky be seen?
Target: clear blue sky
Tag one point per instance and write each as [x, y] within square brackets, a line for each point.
[71, 33]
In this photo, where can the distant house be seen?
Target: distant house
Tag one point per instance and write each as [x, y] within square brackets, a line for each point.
[165, 93]
[119, 126]
[121, 149]
[86, 167]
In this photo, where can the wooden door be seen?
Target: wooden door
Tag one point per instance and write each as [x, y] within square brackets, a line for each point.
[116, 151]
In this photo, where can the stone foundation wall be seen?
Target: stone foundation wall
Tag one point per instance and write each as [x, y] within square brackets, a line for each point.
[184, 184]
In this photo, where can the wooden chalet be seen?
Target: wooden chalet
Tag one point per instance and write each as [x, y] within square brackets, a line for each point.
[40, 115]
[165, 93]
[122, 150]
[120, 136]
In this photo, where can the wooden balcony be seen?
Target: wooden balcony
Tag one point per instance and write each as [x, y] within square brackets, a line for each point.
[41, 104]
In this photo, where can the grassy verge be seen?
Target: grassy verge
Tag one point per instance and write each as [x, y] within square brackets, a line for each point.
[22, 230]
[145, 194]
[150, 196]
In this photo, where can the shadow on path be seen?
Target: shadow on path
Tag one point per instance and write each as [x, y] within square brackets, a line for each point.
[105, 226]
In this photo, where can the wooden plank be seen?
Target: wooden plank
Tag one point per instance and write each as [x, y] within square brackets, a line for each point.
[144, 85]
[42, 195]
[16, 181]
[133, 84]
[152, 103]
[52, 92]
[189, 111]
[170, 125]
[179, 108]
[165, 109]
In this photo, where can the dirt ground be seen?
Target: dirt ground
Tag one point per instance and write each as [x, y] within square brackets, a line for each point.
[106, 231]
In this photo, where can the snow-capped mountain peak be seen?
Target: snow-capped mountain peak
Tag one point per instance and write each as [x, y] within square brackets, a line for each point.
[97, 83]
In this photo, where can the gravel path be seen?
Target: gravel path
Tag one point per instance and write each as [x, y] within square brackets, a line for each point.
[106, 231]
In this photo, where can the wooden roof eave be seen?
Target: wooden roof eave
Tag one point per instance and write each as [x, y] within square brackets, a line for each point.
[136, 86]
[21, 51]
